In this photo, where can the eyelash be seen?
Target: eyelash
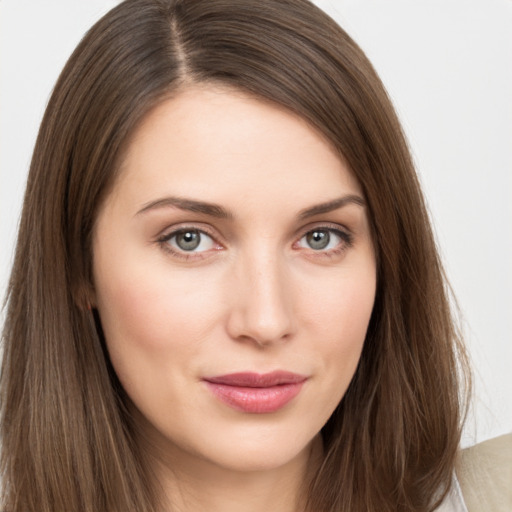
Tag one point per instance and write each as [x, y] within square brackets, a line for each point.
[345, 236]
[164, 240]
[347, 240]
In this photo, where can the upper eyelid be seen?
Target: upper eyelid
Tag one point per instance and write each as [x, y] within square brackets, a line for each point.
[171, 231]
[167, 235]
[330, 226]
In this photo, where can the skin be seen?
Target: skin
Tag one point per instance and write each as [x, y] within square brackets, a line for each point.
[255, 295]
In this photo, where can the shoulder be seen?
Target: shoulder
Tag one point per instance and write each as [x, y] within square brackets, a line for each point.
[484, 472]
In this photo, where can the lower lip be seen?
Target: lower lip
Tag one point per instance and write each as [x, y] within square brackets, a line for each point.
[256, 400]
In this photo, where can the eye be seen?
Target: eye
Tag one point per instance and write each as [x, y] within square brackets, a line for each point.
[189, 240]
[325, 240]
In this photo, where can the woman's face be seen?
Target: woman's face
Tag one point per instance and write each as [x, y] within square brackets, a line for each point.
[235, 277]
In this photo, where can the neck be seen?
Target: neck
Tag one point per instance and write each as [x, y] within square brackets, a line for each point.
[202, 486]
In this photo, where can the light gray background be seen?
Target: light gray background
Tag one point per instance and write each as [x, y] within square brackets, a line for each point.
[447, 65]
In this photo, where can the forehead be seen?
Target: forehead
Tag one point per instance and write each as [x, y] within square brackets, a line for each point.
[217, 141]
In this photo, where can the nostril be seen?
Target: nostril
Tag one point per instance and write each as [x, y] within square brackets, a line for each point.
[262, 327]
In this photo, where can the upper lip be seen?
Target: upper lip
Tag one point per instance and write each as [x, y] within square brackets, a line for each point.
[257, 380]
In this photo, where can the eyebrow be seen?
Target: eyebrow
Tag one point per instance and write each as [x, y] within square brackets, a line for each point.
[190, 205]
[330, 206]
[215, 210]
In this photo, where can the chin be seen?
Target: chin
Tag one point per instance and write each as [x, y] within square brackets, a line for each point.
[264, 454]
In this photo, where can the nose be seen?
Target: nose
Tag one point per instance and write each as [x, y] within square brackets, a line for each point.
[261, 301]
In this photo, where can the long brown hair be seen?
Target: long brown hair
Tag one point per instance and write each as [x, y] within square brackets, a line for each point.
[69, 443]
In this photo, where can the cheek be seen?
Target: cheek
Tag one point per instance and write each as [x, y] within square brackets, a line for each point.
[151, 308]
[340, 318]
[155, 324]
[341, 306]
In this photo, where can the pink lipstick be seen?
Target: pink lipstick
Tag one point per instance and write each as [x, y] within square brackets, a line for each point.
[256, 393]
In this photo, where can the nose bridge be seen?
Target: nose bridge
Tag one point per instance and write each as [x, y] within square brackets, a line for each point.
[262, 308]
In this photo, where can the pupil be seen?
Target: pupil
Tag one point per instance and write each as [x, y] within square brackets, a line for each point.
[318, 239]
[188, 240]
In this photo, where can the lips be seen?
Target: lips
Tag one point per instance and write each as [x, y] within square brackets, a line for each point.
[256, 393]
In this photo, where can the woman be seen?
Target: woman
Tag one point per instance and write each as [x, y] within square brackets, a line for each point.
[226, 293]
